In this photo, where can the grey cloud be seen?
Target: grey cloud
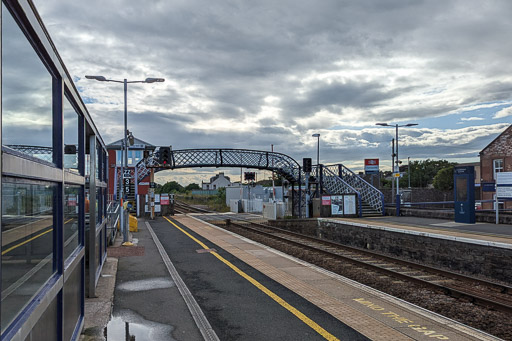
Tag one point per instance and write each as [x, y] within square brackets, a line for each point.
[221, 60]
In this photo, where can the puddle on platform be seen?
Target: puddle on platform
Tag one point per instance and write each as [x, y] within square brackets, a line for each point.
[131, 326]
[146, 284]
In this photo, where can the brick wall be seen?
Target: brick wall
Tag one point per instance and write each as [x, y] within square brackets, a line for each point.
[469, 258]
[500, 148]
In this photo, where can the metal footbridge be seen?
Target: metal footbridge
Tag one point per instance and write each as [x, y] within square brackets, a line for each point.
[331, 179]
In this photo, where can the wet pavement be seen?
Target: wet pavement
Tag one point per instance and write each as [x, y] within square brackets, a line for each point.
[137, 298]
[147, 303]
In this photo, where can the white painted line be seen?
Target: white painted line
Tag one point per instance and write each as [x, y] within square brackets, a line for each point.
[200, 319]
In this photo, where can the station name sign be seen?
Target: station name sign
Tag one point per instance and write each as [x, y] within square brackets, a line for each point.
[371, 166]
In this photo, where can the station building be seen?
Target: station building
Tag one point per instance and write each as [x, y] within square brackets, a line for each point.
[494, 158]
[54, 169]
[135, 154]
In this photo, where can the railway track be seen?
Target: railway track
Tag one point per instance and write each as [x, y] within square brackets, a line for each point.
[183, 208]
[469, 289]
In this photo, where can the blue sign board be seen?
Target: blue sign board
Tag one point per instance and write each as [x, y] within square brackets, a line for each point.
[464, 185]
[488, 187]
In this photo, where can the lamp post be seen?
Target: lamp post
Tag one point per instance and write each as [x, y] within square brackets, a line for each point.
[317, 161]
[125, 140]
[396, 170]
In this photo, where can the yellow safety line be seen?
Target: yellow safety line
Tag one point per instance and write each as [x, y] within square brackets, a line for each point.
[25, 242]
[31, 239]
[283, 303]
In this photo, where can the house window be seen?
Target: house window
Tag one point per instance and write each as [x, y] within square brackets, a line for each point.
[497, 167]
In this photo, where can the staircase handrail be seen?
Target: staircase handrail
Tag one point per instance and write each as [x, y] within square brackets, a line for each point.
[369, 193]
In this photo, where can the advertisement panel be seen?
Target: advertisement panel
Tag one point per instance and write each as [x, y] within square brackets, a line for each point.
[336, 205]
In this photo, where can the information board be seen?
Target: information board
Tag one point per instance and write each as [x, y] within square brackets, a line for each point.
[349, 204]
[504, 185]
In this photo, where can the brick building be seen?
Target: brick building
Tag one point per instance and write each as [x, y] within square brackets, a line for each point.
[495, 158]
[135, 154]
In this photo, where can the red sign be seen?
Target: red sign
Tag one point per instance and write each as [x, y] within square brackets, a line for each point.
[371, 162]
[164, 199]
[326, 200]
[371, 166]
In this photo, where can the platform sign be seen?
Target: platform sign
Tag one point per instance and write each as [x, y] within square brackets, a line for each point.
[371, 166]
[464, 185]
[488, 187]
[164, 199]
[504, 185]
[326, 200]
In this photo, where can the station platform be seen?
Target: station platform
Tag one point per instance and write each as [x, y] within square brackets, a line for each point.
[493, 233]
[211, 284]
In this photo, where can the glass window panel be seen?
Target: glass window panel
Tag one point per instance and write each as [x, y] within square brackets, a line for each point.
[27, 242]
[72, 302]
[98, 163]
[26, 94]
[71, 226]
[119, 156]
[98, 218]
[70, 136]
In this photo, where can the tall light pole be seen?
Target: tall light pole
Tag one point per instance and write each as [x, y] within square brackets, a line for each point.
[396, 170]
[317, 135]
[125, 140]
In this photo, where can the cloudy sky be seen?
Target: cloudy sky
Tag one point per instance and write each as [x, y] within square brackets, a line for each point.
[248, 74]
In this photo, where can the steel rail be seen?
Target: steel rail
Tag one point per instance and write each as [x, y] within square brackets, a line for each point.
[447, 290]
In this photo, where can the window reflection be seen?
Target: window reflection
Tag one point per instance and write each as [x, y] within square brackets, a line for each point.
[71, 226]
[26, 94]
[70, 136]
[27, 242]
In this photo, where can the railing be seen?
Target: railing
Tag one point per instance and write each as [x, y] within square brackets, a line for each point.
[113, 216]
[189, 158]
[368, 193]
[333, 184]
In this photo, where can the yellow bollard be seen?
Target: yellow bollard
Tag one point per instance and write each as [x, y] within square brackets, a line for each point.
[133, 223]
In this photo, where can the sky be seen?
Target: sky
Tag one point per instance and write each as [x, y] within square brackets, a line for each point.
[251, 74]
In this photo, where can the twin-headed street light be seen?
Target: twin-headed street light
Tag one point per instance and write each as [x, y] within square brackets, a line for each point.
[396, 170]
[125, 142]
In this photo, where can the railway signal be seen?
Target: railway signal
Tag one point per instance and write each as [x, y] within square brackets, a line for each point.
[165, 155]
[306, 164]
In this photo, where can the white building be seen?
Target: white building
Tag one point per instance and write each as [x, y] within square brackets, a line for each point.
[216, 182]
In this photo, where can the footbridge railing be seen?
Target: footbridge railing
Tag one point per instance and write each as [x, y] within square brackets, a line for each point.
[189, 158]
[367, 193]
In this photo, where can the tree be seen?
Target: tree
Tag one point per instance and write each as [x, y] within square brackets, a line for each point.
[170, 187]
[191, 187]
[423, 172]
[444, 179]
